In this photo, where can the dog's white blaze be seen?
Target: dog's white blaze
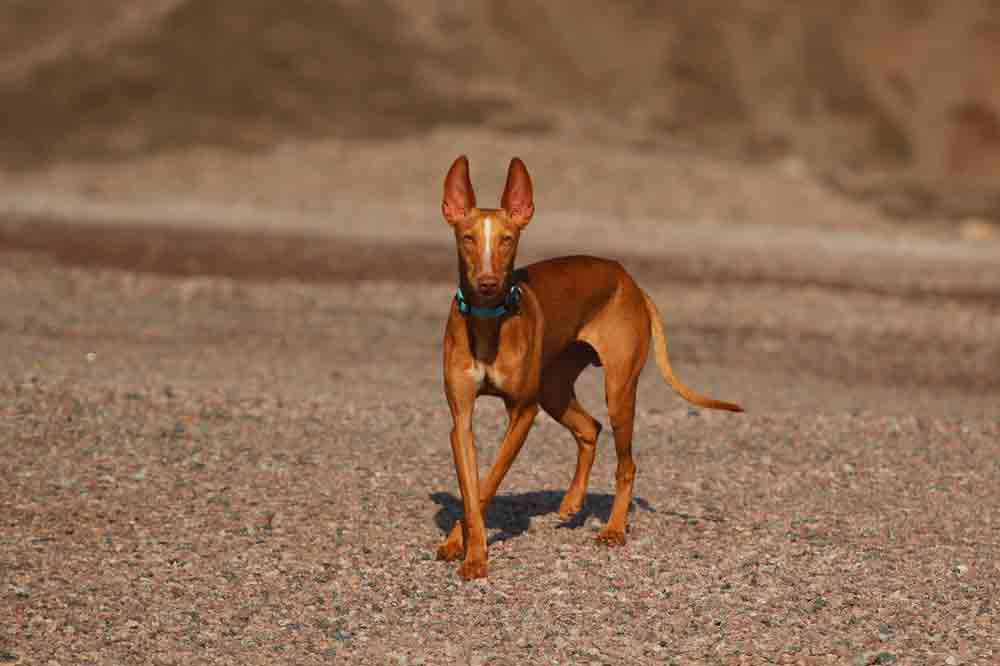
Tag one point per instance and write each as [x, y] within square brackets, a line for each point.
[487, 242]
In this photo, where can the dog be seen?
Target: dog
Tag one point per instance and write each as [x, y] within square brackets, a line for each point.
[525, 336]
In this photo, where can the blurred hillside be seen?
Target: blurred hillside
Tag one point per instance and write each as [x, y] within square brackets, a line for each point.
[893, 101]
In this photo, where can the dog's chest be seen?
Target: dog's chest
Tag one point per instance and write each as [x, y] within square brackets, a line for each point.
[488, 375]
[498, 361]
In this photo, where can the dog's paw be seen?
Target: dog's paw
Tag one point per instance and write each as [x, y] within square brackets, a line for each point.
[470, 570]
[569, 508]
[450, 551]
[608, 537]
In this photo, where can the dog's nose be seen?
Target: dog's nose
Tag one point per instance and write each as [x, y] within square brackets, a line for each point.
[488, 285]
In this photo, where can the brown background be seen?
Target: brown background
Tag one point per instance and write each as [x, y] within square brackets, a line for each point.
[896, 100]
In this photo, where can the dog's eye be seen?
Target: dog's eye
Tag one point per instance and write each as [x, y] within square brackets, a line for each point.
[469, 241]
[506, 241]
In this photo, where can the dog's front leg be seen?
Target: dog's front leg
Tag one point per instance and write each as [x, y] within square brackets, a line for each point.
[461, 389]
[463, 448]
[521, 417]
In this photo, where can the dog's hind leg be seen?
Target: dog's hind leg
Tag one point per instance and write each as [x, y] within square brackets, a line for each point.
[621, 412]
[621, 337]
[559, 401]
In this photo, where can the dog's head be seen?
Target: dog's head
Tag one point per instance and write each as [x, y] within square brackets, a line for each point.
[487, 237]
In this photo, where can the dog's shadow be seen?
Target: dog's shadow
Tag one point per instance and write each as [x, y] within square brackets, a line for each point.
[512, 514]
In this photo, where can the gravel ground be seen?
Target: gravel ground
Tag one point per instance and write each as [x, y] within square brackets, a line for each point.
[252, 468]
[223, 438]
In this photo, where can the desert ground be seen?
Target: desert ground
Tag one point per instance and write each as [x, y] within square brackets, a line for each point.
[223, 284]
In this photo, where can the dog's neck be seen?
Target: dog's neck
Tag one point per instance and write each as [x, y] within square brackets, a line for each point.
[484, 337]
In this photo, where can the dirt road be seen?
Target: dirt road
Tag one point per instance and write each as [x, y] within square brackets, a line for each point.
[227, 447]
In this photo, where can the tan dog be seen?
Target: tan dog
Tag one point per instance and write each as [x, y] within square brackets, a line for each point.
[525, 336]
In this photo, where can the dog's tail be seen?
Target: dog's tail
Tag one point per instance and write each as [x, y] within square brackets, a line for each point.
[660, 348]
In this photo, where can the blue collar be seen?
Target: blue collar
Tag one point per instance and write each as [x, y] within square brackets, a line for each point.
[509, 305]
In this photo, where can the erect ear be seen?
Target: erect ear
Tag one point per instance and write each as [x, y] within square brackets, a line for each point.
[518, 196]
[459, 197]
